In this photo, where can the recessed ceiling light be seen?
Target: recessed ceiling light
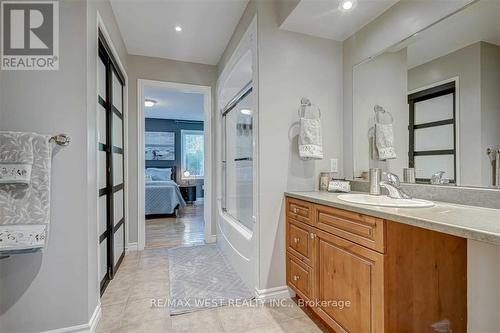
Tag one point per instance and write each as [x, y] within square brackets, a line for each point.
[178, 28]
[347, 5]
[149, 103]
[246, 111]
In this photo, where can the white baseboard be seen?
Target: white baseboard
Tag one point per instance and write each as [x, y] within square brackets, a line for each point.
[210, 239]
[273, 293]
[132, 247]
[90, 327]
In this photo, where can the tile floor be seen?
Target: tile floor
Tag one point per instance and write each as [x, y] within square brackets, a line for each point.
[143, 276]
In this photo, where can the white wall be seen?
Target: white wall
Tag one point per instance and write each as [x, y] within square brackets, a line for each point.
[149, 68]
[483, 291]
[381, 81]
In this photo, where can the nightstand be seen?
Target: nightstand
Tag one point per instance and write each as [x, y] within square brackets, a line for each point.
[188, 193]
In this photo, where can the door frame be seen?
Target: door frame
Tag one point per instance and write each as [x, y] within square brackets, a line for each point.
[208, 151]
[456, 80]
[101, 26]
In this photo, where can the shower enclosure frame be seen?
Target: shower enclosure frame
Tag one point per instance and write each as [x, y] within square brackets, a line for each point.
[240, 245]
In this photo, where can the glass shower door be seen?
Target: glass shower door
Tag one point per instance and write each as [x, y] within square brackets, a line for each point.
[238, 158]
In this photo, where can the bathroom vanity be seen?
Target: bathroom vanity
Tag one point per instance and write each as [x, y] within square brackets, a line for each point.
[390, 269]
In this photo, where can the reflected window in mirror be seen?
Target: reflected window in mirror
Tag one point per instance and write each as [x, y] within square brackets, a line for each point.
[432, 135]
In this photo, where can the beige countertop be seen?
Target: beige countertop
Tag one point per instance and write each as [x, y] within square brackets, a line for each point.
[477, 223]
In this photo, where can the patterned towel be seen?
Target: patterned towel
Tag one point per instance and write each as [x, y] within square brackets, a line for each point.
[25, 210]
[310, 139]
[384, 141]
[16, 157]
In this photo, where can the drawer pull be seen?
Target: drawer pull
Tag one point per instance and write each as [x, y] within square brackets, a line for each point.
[312, 235]
[296, 277]
[295, 210]
[296, 240]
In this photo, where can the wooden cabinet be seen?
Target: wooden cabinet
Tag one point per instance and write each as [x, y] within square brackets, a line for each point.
[365, 274]
[347, 272]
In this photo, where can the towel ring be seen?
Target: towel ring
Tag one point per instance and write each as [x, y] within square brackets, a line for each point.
[378, 110]
[304, 104]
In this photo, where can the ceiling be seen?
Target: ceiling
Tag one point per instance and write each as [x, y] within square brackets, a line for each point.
[323, 18]
[173, 104]
[148, 27]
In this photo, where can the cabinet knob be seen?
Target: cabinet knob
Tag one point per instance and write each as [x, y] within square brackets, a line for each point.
[312, 235]
[296, 240]
[295, 210]
[296, 277]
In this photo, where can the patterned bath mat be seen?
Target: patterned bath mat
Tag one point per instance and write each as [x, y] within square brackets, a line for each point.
[201, 277]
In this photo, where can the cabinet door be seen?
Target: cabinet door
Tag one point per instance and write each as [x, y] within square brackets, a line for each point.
[349, 285]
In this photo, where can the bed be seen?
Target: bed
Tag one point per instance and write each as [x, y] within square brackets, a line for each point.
[162, 195]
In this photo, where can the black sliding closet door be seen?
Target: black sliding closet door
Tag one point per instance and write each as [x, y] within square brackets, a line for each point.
[110, 85]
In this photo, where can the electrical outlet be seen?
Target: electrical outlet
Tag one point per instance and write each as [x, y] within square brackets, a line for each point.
[334, 165]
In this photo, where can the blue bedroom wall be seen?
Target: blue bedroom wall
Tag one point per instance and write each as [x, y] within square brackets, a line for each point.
[169, 125]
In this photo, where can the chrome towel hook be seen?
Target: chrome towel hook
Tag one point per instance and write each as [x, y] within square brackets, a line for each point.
[61, 139]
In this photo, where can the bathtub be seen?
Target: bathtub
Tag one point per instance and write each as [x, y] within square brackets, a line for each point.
[238, 245]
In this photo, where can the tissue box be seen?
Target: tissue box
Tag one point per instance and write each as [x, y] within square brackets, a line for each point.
[339, 186]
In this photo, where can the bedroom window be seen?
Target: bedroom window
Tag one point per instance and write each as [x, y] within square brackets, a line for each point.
[192, 154]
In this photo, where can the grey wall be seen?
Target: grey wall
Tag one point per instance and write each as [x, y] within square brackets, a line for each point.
[490, 105]
[381, 81]
[58, 288]
[38, 101]
[465, 64]
[139, 67]
[291, 66]
[241, 28]
[398, 22]
[170, 125]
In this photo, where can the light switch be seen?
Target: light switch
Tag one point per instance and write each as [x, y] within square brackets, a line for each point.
[334, 165]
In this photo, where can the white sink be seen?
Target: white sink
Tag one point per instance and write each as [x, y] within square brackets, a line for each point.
[385, 201]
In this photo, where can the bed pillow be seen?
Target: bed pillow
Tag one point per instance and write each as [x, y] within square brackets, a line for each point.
[162, 174]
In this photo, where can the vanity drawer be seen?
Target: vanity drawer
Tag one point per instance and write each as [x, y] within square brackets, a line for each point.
[299, 241]
[299, 210]
[361, 229]
[298, 276]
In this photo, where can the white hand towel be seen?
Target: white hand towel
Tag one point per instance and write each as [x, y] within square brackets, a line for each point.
[310, 139]
[25, 210]
[384, 141]
[16, 158]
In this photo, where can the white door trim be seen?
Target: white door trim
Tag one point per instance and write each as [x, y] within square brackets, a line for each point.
[207, 126]
[100, 25]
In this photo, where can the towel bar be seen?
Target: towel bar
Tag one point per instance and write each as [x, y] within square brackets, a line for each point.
[61, 139]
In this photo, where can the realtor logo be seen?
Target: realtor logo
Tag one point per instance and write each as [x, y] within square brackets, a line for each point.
[30, 35]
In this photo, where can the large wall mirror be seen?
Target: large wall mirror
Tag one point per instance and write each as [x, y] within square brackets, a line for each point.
[432, 102]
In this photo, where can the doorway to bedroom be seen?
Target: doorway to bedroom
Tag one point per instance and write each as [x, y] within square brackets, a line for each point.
[174, 168]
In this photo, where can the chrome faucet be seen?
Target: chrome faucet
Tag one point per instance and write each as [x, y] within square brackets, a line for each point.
[393, 185]
[437, 178]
